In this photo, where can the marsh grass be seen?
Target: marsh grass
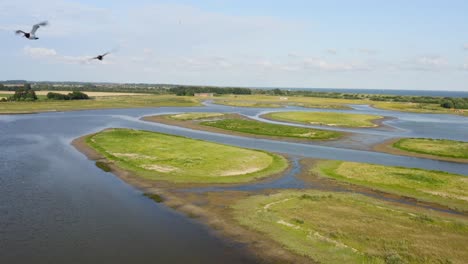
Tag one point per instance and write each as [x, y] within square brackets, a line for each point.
[104, 102]
[431, 186]
[157, 156]
[435, 147]
[351, 228]
[262, 128]
[267, 101]
[325, 118]
[194, 116]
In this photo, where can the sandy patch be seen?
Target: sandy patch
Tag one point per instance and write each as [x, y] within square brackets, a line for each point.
[240, 172]
[133, 156]
[159, 168]
[308, 134]
[446, 195]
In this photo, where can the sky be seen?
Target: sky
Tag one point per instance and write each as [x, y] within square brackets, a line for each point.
[375, 44]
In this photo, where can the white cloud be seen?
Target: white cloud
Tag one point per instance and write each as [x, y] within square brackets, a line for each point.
[465, 47]
[367, 51]
[53, 56]
[323, 65]
[39, 52]
[425, 63]
[332, 51]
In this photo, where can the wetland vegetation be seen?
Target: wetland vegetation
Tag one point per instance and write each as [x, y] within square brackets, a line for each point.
[430, 186]
[351, 228]
[325, 118]
[163, 157]
[261, 128]
[435, 147]
[101, 102]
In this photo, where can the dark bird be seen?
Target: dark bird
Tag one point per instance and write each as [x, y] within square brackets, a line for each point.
[32, 35]
[100, 57]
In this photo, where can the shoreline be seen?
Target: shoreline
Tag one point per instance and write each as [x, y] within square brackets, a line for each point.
[387, 147]
[217, 217]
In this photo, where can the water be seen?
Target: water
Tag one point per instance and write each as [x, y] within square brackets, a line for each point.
[57, 207]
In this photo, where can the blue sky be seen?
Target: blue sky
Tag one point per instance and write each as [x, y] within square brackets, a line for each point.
[296, 43]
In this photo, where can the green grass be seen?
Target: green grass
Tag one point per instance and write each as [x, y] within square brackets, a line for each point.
[431, 186]
[436, 147]
[266, 101]
[262, 128]
[194, 116]
[157, 156]
[414, 107]
[329, 119]
[137, 101]
[351, 228]
[239, 103]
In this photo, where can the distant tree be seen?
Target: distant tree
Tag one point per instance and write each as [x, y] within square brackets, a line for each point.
[277, 92]
[24, 93]
[76, 95]
[57, 96]
[2, 87]
[447, 104]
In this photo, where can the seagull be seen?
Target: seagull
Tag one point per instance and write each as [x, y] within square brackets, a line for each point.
[32, 34]
[100, 57]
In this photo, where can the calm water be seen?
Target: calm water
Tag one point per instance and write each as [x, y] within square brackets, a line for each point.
[57, 207]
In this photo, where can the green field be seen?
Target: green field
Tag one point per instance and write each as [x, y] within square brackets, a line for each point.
[328, 103]
[262, 128]
[351, 228]
[415, 108]
[194, 116]
[157, 156]
[137, 101]
[239, 103]
[442, 188]
[324, 118]
[436, 147]
[267, 101]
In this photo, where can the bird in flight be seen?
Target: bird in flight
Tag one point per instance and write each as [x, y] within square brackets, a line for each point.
[32, 35]
[100, 57]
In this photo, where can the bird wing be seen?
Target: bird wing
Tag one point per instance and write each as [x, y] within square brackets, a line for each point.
[37, 26]
[105, 54]
[20, 31]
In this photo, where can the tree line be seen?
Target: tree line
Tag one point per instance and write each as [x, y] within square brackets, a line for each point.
[186, 90]
[75, 95]
[26, 93]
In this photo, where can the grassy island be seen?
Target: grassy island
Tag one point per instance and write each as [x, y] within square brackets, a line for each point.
[435, 147]
[261, 128]
[442, 188]
[328, 119]
[351, 228]
[157, 156]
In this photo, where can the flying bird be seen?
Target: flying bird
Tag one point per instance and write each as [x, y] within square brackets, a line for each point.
[32, 35]
[100, 57]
